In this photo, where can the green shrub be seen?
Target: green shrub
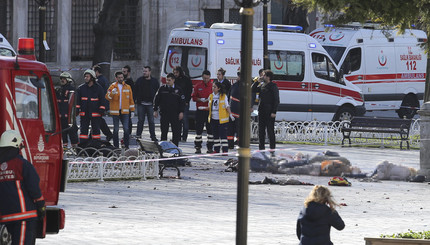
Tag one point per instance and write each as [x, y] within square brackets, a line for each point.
[410, 234]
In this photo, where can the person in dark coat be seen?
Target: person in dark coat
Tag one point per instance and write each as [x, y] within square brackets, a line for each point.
[64, 94]
[104, 83]
[317, 217]
[186, 85]
[21, 200]
[170, 101]
[267, 108]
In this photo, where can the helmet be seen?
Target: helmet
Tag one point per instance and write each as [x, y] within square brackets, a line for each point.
[11, 138]
[91, 72]
[67, 76]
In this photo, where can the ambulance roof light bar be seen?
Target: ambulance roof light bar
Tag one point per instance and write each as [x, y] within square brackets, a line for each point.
[194, 24]
[356, 25]
[284, 28]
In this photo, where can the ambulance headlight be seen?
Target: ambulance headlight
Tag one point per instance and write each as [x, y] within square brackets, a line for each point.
[312, 45]
[220, 41]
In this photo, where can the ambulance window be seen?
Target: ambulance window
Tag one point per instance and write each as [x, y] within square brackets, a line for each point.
[287, 65]
[48, 113]
[27, 105]
[6, 52]
[196, 62]
[174, 58]
[323, 67]
[193, 60]
[336, 53]
[352, 61]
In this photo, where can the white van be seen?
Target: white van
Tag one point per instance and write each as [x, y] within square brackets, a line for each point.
[5, 47]
[390, 68]
[308, 79]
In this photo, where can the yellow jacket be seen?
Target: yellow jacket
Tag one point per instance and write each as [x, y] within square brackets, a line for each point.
[223, 113]
[127, 103]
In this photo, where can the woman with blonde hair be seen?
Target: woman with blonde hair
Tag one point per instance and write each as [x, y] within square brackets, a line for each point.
[317, 217]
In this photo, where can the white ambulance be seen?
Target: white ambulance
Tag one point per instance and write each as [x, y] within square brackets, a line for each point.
[308, 79]
[390, 68]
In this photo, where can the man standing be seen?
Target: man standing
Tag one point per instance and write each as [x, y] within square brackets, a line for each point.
[145, 89]
[64, 94]
[21, 198]
[121, 104]
[186, 85]
[104, 83]
[171, 101]
[267, 107]
[126, 70]
[200, 95]
[90, 105]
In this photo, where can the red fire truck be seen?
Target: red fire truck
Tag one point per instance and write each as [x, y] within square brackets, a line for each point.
[28, 105]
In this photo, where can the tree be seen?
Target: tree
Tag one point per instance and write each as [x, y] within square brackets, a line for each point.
[402, 14]
[105, 31]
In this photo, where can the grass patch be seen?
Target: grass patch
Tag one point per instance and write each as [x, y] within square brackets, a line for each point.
[410, 234]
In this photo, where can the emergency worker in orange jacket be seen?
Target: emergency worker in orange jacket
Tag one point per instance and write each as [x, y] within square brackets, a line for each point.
[21, 200]
[90, 106]
[121, 103]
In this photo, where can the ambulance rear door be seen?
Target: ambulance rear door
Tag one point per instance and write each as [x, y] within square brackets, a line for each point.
[188, 49]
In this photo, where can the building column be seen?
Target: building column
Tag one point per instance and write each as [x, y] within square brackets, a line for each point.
[64, 36]
[19, 24]
[425, 140]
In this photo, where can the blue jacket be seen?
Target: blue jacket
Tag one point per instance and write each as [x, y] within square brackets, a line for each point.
[19, 190]
[314, 223]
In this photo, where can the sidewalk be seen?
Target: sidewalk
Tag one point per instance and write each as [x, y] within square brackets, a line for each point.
[200, 208]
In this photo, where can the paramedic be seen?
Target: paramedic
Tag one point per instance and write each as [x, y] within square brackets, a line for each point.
[200, 95]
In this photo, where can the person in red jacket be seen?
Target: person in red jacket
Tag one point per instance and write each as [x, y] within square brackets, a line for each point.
[200, 95]
[21, 202]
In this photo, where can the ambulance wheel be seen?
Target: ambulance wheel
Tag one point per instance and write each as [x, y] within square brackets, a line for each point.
[345, 113]
[409, 107]
[5, 237]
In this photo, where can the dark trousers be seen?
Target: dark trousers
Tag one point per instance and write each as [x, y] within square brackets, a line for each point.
[232, 131]
[105, 128]
[201, 122]
[22, 232]
[265, 121]
[220, 135]
[71, 133]
[184, 123]
[171, 119]
[95, 128]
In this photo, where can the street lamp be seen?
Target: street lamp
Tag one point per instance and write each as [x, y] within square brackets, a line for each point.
[265, 52]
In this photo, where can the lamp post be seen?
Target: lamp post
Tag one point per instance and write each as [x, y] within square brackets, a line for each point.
[42, 34]
[265, 52]
[244, 152]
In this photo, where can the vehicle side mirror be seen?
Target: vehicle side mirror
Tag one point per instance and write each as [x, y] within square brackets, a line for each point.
[340, 78]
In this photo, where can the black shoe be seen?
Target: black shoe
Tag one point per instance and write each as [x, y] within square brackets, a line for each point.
[109, 138]
[198, 151]
[154, 139]
[209, 151]
[231, 147]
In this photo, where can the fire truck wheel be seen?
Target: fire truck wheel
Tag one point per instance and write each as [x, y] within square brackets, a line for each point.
[5, 237]
[344, 113]
[409, 107]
